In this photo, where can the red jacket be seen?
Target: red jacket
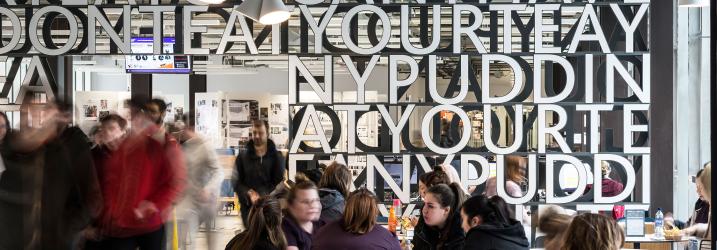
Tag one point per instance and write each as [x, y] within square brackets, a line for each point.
[141, 169]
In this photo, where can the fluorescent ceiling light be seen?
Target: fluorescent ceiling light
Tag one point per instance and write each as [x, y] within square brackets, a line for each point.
[694, 3]
[264, 11]
[205, 2]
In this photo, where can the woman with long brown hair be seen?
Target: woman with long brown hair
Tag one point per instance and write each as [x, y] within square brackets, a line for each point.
[357, 229]
[593, 232]
[334, 187]
[264, 228]
[440, 227]
[514, 177]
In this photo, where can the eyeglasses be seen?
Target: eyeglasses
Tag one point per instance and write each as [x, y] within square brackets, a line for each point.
[310, 202]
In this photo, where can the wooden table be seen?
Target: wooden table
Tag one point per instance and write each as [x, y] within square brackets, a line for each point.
[649, 238]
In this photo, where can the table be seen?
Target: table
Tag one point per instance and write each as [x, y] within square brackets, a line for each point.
[648, 238]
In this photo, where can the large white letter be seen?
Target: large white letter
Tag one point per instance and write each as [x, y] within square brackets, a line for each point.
[594, 123]
[310, 115]
[543, 130]
[326, 95]
[550, 160]
[187, 12]
[532, 180]
[393, 81]
[629, 185]
[94, 15]
[589, 14]
[396, 128]
[360, 79]
[518, 132]
[459, 30]
[346, 29]
[614, 64]
[244, 37]
[507, 11]
[538, 60]
[426, 132]
[485, 78]
[540, 28]
[318, 29]
[630, 128]
[436, 31]
[627, 26]
[432, 82]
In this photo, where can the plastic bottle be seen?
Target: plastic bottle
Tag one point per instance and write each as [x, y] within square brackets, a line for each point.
[397, 213]
[659, 224]
[392, 222]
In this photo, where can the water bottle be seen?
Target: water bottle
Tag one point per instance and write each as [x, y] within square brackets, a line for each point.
[659, 224]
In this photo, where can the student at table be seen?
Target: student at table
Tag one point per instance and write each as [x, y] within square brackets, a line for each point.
[488, 225]
[301, 218]
[593, 232]
[334, 187]
[704, 230]
[357, 228]
[441, 224]
[702, 208]
[264, 228]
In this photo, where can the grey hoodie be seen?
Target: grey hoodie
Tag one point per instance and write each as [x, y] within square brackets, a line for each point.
[332, 204]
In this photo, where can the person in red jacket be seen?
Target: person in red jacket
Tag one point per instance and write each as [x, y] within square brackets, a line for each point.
[140, 178]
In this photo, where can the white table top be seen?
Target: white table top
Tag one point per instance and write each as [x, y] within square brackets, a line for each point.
[648, 238]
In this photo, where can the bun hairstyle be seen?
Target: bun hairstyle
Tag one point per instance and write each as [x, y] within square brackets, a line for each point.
[492, 210]
[435, 177]
[264, 221]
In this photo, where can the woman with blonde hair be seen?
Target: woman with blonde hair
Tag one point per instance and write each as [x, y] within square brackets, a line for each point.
[357, 228]
[515, 176]
[705, 180]
[553, 223]
[593, 232]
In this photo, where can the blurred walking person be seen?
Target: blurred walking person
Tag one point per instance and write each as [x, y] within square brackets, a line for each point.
[49, 190]
[140, 179]
[198, 204]
[258, 169]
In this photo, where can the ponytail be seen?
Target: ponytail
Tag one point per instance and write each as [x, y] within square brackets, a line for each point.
[459, 195]
[264, 218]
[492, 210]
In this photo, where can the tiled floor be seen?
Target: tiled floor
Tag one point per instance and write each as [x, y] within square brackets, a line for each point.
[224, 230]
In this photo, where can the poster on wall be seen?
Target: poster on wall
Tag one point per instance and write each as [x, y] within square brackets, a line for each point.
[242, 111]
[279, 120]
[238, 135]
[90, 106]
[208, 117]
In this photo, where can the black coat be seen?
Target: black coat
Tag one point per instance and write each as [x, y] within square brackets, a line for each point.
[496, 237]
[428, 237]
[52, 192]
[332, 204]
[259, 173]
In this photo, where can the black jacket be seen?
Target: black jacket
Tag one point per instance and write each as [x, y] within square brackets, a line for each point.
[52, 192]
[332, 204]
[495, 237]
[428, 237]
[259, 173]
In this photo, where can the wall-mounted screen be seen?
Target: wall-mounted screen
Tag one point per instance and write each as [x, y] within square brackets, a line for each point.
[147, 63]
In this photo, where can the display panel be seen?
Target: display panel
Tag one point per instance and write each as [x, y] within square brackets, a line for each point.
[144, 62]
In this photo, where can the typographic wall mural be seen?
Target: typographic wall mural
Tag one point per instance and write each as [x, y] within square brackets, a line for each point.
[565, 65]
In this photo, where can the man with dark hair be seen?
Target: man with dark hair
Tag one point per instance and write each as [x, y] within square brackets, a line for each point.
[155, 110]
[140, 179]
[50, 190]
[258, 169]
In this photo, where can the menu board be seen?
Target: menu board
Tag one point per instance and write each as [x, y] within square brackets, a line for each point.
[635, 222]
[145, 62]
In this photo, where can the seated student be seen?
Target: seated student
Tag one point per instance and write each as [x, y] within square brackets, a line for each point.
[553, 223]
[610, 187]
[593, 232]
[334, 187]
[430, 179]
[357, 228]
[264, 228]
[302, 216]
[489, 226]
[704, 231]
[441, 224]
[702, 208]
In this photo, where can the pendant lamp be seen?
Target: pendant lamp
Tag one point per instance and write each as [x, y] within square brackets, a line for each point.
[265, 11]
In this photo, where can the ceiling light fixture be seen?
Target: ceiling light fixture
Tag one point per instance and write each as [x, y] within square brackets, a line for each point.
[205, 2]
[266, 12]
[694, 3]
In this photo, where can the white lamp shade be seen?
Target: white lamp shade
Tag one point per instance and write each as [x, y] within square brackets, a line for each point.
[694, 3]
[264, 11]
[205, 2]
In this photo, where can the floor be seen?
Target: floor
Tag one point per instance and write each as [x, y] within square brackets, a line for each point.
[224, 230]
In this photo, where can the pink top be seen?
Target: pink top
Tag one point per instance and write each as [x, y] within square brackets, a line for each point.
[512, 188]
